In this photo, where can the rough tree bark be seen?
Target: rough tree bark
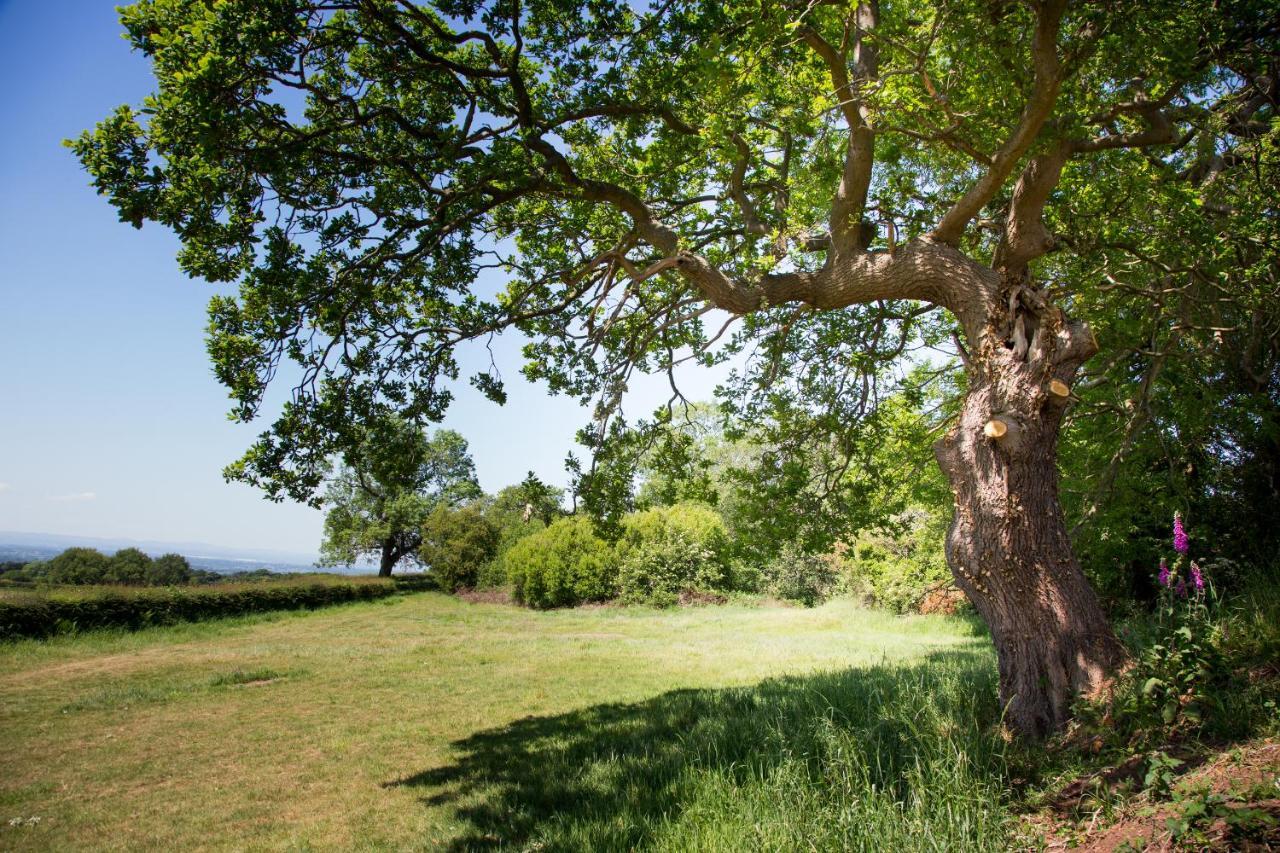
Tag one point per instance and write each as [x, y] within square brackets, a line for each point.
[1008, 546]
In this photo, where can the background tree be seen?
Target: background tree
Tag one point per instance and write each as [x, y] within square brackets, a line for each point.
[78, 566]
[169, 570]
[456, 543]
[826, 176]
[388, 487]
[128, 566]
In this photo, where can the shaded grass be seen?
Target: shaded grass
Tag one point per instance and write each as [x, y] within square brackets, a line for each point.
[876, 758]
[429, 723]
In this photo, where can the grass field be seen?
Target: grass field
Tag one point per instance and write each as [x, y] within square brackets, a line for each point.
[426, 722]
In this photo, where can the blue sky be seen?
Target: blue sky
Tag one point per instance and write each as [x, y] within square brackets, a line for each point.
[111, 423]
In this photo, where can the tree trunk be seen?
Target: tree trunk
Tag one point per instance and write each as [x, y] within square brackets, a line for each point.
[1008, 546]
[389, 559]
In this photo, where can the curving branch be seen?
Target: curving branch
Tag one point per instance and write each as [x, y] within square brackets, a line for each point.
[1044, 96]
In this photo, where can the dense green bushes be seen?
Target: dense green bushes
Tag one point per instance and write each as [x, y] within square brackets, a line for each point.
[657, 570]
[661, 553]
[562, 565]
[666, 551]
[128, 567]
[46, 615]
[895, 570]
[455, 544]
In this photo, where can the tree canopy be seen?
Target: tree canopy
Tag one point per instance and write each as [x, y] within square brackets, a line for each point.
[828, 192]
[355, 166]
[388, 487]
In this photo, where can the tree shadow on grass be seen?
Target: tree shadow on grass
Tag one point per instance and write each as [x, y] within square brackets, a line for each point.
[607, 776]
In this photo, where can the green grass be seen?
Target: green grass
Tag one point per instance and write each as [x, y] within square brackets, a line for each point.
[424, 722]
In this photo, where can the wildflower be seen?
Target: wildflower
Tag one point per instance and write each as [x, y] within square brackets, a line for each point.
[1180, 542]
[1166, 577]
[1197, 577]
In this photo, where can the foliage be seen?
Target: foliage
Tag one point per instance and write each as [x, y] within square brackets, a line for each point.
[1195, 659]
[516, 511]
[563, 565]
[456, 543]
[128, 566]
[794, 575]
[43, 616]
[575, 133]
[387, 489]
[169, 570]
[696, 522]
[656, 570]
[78, 566]
[895, 567]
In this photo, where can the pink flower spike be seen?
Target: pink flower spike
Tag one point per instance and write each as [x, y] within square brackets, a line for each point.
[1180, 542]
[1165, 577]
[1197, 577]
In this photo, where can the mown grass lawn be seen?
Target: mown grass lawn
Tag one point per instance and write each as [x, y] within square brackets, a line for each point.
[426, 722]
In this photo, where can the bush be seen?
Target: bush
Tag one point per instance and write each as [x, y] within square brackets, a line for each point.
[78, 566]
[896, 570]
[659, 570]
[169, 570]
[684, 547]
[796, 576]
[43, 617]
[128, 566]
[562, 565]
[456, 543]
[694, 522]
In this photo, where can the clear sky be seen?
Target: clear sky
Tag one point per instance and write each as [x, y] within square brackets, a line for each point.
[111, 423]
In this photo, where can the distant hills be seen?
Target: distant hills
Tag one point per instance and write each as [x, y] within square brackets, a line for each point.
[22, 546]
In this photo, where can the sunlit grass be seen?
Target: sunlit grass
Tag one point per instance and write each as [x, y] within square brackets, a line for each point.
[425, 722]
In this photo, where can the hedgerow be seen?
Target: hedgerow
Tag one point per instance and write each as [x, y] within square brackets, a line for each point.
[44, 616]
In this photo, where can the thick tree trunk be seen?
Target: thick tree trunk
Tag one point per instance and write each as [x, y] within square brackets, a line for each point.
[1008, 545]
[389, 559]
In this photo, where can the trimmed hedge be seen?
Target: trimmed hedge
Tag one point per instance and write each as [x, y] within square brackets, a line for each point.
[44, 617]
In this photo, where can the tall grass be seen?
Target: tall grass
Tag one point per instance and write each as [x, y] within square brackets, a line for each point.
[887, 757]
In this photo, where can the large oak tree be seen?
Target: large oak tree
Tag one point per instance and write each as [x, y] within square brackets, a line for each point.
[828, 175]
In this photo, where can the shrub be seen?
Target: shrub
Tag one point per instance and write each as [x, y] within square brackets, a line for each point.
[42, 617]
[78, 566]
[657, 571]
[169, 570]
[694, 522]
[455, 544]
[684, 546]
[895, 570]
[796, 576]
[563, 565]
[128, 566]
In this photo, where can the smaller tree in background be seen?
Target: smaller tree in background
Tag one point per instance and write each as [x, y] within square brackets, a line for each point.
[169, 570]
[78, 566]
[388, 487]
[524, 508]
[455, 543]
[128, 566]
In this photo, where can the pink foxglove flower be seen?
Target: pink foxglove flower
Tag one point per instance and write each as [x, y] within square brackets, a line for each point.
[1197, 577]
[1166, 578]
[1180, 542]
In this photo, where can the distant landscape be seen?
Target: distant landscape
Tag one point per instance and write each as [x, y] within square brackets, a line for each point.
[18, 546]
